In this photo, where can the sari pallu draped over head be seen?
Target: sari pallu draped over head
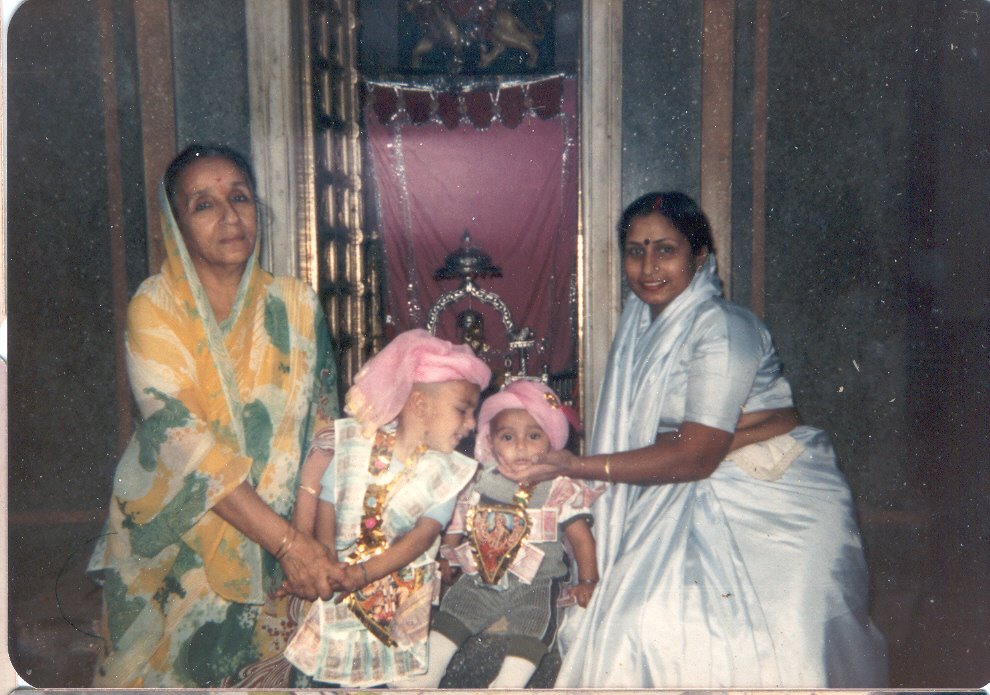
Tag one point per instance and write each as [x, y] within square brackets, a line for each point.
[221, 403]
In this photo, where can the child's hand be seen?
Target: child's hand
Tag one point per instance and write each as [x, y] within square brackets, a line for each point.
[348, 579]
[448, 573]
[583, 592]
[345, 577]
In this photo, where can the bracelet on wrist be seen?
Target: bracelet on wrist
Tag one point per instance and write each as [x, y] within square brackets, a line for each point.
[587, 581]
[286, 544]
[608, 470]
[311, 490]
[364, 573]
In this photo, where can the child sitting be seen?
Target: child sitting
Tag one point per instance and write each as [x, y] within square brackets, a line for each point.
[389, 480]
[512, 567]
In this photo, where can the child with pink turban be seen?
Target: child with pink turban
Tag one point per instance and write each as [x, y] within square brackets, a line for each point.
[514, 562]
[385, 483]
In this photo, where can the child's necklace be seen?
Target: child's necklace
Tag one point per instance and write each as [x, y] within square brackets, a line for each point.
[372, 538]
[376, 603]
[522, 494]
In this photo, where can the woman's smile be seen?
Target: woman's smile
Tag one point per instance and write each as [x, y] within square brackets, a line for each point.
[658, 262]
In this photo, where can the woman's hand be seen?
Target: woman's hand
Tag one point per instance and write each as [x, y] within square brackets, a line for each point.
[546, 467]
[310, 571]
[762, 425]
[307, 563]
[583, 592]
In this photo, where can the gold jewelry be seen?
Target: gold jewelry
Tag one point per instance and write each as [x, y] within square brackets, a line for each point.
[521, 496]
[588, 581]
[375, 603]
[608, 470]
[288, 546]
[286, 543]
[371, 538]
[311, 490]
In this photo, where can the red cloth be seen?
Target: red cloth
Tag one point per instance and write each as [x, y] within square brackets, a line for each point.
[514, 189]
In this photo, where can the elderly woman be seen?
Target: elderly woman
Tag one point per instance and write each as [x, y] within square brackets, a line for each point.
[720, 567]
[230, 368]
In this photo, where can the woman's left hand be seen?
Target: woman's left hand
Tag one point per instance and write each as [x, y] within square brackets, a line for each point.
[310, 571]
[582, 593]
[546, 467]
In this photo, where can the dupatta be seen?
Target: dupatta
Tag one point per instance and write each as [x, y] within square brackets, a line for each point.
[222, 403]
[643, 354]
[727, 581]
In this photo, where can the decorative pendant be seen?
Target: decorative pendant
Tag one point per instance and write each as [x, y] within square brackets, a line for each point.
[496, 532]
[378, 604]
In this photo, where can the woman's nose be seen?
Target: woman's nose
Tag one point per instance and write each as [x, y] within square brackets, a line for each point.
[649, 264]
[230, 213]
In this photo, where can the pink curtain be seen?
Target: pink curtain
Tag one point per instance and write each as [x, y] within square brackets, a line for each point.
[511, 184]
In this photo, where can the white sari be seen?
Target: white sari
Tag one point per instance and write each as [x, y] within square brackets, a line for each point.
[734, 580]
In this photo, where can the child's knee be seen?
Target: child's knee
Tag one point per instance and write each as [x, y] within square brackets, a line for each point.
[451, 628]
[525, 647]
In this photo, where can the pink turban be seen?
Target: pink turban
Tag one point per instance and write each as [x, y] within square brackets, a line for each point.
[537, 399]
[384, 383]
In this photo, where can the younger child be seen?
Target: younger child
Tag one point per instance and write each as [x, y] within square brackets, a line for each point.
[510, 569]
[388, 480]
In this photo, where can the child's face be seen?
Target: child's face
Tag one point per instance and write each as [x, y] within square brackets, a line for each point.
[449, 413]
[516, 436]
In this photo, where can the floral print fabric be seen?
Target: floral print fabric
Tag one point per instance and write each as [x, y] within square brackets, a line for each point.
[220, 404]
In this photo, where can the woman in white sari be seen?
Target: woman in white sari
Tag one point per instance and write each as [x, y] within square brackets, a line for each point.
[721, 565]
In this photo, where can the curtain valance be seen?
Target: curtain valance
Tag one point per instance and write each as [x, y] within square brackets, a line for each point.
[479, 104]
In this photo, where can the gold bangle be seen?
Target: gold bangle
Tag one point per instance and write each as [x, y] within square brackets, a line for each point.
[608, 470]
[364, 573]
[588, 581]
[286, 543]
[311, 490]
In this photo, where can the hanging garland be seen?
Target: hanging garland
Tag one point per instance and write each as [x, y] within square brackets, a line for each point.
[481, 102]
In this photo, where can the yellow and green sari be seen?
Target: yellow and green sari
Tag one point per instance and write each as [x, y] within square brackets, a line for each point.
[220, 404]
